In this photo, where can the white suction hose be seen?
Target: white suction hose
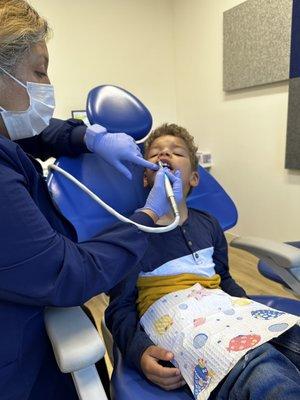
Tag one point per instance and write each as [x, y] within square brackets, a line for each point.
[121, 217]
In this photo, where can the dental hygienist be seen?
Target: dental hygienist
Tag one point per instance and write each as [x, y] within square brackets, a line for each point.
[40, 262]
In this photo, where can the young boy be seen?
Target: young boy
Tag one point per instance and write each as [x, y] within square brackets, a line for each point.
[180, 271]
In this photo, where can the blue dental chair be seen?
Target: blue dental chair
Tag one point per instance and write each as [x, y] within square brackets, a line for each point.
[104, 104]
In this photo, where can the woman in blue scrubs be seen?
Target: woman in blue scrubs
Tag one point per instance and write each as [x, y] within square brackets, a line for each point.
[41, 264]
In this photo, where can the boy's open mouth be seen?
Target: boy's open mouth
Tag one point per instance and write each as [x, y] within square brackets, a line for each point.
[165, 165]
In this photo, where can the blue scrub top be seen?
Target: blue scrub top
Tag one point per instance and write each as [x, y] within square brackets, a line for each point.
[42, 265]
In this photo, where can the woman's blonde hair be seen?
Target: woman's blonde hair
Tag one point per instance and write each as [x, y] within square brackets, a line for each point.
[20, 28]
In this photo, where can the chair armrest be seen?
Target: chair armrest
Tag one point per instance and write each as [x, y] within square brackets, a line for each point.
[284, 255]
[282, 258]
[75, 341]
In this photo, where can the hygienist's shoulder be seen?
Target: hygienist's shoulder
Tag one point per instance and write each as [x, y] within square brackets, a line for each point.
[15, 166]
[11, 153]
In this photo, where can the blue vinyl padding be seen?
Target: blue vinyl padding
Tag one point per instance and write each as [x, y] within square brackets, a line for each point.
[280, 303]
[118, 111]
[209, 196]
[128, 384]
[86, 215]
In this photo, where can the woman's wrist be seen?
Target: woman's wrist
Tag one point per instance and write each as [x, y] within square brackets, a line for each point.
[93, 136]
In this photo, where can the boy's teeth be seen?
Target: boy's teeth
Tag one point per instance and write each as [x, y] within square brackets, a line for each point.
[164, 164]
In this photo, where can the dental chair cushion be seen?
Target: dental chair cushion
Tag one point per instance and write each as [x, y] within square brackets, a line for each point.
[128, 384]
[88, 217]
[267, 271]
[119, 111]
[209, 196]
[291, 306]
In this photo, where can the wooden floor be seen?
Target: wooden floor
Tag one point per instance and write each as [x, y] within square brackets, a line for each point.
[243, 267]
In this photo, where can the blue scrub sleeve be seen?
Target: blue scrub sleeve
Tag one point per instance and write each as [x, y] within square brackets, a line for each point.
[60, 138]
[39, 266]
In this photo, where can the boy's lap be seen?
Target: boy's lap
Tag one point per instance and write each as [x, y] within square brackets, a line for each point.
[261, 372]
[218, 339]
[289, 344]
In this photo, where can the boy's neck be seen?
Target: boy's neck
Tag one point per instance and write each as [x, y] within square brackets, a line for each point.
[169, 218]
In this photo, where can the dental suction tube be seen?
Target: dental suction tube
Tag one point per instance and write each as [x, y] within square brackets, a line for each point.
[115, 213]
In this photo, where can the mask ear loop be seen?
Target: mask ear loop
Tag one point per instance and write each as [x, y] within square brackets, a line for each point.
[15, 79]
[19, 82]
[1, 108]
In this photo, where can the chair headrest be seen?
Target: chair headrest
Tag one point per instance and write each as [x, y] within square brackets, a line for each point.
[118, 111]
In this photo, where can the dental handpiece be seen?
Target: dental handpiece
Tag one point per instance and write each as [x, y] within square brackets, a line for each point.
[169, 192]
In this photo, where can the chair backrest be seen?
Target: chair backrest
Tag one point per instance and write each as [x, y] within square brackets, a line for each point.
[88, 217]
[211, 197]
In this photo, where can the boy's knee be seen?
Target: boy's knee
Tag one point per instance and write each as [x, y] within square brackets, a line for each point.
[263, 373]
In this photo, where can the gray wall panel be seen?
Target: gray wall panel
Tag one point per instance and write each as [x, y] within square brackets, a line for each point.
[257, 39]
[292, 157]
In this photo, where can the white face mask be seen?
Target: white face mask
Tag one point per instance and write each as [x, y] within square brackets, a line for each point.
[31, 122]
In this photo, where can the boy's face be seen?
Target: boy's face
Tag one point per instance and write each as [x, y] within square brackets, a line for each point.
[171, 150]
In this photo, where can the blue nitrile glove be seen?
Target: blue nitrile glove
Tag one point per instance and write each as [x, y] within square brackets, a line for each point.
[157, 200]
[115, 148]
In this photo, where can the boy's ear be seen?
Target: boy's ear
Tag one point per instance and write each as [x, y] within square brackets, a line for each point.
[194, 179]
[145, 180]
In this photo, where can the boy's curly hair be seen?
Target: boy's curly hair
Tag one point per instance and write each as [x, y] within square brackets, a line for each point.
[177, 131]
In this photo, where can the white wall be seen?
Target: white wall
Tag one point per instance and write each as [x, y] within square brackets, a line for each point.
[245, 130]
[128, 43]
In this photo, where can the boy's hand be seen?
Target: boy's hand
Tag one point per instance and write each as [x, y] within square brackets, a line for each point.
[157, 200]
[165, 377]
